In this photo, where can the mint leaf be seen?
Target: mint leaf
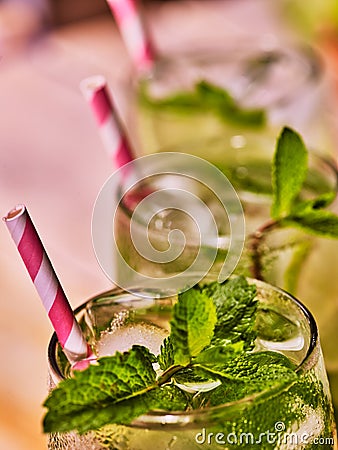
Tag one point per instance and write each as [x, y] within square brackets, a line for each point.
[192, 325]
[311, 217]
[95, 416]
[116, 390]
[260, 367]
[203, 98]
[219, 354]
[248, 374]
[320, 202]
[166, 356]
[318, 222]
[256, 371]
[221, 102]
[288, 172]
[236, 305]
[229, 391]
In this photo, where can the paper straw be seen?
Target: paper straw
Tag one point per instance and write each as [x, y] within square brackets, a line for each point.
[95, 91]
[134, 32]
[46, 283]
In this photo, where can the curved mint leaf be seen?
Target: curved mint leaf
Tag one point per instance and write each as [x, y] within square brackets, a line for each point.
[253, 368]
[99, 414]
[288, 172]
[318, 222]
[251, 374]
[192, 325]
[115, 390]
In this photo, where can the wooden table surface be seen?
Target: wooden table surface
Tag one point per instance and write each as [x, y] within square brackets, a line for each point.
[52, 160]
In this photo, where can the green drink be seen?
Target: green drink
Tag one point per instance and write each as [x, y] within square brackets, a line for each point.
[272, 391]
[245, 94]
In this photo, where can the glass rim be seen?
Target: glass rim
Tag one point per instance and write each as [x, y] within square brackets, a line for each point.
[246, 45]
[183, 418]
[303, 54]
[325, 162]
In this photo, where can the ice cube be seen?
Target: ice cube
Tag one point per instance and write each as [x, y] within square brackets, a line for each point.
[123, 338]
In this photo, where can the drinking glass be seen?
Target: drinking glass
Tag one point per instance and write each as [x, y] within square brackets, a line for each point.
[164, 221]
[296, 415]
[286, 83]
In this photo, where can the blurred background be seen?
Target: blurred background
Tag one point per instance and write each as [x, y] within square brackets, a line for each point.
[52, 160]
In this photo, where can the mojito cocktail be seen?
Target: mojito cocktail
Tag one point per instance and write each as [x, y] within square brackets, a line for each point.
[251, 375]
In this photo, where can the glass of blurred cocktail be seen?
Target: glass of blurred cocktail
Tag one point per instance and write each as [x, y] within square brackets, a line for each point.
[244, 94]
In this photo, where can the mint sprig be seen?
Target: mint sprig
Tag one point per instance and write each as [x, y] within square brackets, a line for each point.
[289, 173]
[120, 388]
[207, 97]
[288, 177]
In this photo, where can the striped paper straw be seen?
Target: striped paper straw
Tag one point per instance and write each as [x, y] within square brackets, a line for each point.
[95, 91]
[134, 32]
[46, 283]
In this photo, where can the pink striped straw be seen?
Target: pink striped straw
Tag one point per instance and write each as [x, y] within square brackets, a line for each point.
[46, 283]
[134, 32]
[95, 91]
